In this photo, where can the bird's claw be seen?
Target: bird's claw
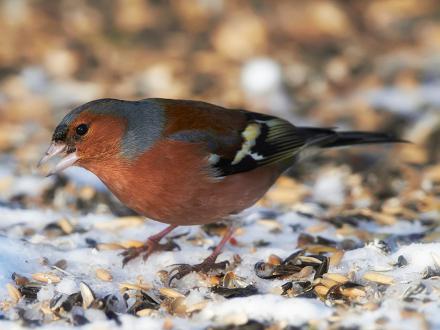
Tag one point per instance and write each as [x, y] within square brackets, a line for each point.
[206, 267]
[147, 249]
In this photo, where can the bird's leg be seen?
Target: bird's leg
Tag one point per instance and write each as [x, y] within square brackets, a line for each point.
[151, 245]
[207, 265]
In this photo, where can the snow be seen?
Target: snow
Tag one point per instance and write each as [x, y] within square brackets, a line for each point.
[265, 308]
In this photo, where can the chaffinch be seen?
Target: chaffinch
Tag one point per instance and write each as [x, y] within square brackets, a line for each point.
[186, 162]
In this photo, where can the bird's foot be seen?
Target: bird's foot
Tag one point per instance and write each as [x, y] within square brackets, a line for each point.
[147, 249]
[207, 266]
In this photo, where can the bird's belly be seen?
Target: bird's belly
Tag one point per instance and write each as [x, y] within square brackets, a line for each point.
[195, 200]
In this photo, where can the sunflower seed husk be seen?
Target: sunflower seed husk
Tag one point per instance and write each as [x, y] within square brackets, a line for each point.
[378, 278]
[235, 292]
[19, 280]
[197, 307]
[104, 275]
[46, 277]
[66, 226]
[130, 286]
[352, 292]
[109, 246]
[132, 244]
[321, 290]
[88, 297]
[175, 306]
[171, 293]
[327, 282]
[317, 248]
[13, 292]
[145, 312]
[309, 259]
[274, 260]
[336, 257]
[336, 277]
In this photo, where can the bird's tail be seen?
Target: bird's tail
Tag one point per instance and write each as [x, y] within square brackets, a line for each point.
[329, 138]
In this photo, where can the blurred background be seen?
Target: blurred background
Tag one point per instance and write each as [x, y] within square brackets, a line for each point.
[369, 65]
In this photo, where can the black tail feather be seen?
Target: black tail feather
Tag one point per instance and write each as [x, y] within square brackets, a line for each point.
[329, 138]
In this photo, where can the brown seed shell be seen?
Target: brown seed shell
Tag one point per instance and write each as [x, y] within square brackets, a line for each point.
[274, 260]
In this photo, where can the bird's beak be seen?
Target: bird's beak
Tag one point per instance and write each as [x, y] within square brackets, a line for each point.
[56, 149]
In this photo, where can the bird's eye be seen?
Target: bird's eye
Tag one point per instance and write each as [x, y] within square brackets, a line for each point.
[82, 129]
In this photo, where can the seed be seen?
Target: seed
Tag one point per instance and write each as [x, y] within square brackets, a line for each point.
[274, 260]
[103, 275]
[310, 259]
[317, 228]
[132, 244]
[144, 312]
[87, 193]
[197, 307]
[318, 248]
[171, 293]
[321, 290]
[87, 295]
[46, 277]
[130, 286]
[13, 292]
[109, 246]
[378, 278]
[305, 272]
[370, 306]
[328, 282]
[352, 292]
[178, 306]
[66, 226]
[336, 257]
[336, 277]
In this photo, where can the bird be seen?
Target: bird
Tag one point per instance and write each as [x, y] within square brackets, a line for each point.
[185, 162]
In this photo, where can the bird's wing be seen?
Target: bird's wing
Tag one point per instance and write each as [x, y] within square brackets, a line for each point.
[264, 140]
[236, 140]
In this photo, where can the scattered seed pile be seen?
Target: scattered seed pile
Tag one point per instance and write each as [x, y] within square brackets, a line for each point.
[343, 265]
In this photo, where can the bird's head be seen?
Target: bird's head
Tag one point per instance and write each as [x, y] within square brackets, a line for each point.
[104, 130]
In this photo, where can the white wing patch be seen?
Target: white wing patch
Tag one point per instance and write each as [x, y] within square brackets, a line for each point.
[250, 135]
